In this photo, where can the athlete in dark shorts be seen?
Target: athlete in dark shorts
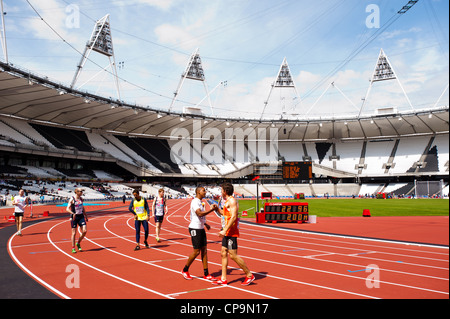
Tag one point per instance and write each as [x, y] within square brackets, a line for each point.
[229, 235]
[20, 202]
[139, 208]
[198, 234]
[159, 209]
[78, 217]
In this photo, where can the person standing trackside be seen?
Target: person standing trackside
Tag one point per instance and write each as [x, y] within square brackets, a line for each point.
[229, 235]
[159, 209]
[198, 234]
[139, 208]
[78, 217]
[20, 202]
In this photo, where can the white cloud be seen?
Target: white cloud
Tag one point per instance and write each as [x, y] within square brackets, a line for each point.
[54, 15]
[161, 4]
[175, 35]
[397, 33]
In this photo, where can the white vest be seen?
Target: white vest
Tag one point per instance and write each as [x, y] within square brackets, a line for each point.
[197, 222]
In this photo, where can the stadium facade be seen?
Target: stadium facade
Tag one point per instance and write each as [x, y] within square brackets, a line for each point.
[49, 130]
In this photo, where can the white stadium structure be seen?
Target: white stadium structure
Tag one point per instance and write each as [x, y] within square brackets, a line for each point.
[52, 132]
[59, 135]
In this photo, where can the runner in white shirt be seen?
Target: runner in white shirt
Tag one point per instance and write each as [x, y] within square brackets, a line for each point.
[198, 234]
[159, 209]
[20, 202]
[78, 217]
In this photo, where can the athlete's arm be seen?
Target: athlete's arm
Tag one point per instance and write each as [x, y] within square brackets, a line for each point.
[219, 210]
[69, 205]
[146, 207]
[130, 208]
[153, 206]
[201, 214]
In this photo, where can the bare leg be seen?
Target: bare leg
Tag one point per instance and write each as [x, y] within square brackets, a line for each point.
[241, 263]
[74, 233]
[19, 224]
[192, 257]
[204, 252]
[224, 254]
[158, 229]
[83, 234]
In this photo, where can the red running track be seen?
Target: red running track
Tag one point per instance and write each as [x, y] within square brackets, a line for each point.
[287, 264]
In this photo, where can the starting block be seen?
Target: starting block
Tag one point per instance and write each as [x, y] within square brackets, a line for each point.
[45, 214]
[11, 218]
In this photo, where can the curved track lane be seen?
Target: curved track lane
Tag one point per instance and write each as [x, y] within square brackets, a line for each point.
[286, 264]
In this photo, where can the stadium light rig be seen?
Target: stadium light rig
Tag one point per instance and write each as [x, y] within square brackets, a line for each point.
[408, 6]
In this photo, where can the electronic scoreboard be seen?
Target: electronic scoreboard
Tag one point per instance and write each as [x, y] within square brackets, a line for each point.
[297, 170]
[284, 213]
[266, 195]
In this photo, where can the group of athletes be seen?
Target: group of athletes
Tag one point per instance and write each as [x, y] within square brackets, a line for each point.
[227, 209]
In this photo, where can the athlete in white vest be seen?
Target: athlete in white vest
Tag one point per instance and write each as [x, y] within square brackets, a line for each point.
[198, 234]
[159, 209]
[20, 202]
[78, 217]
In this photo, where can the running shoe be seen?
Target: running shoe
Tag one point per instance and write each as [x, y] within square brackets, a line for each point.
[74, 251]
[210, 278]
[220, 282]
[137, 247]
[248, 280]
[158, 240]
[79, 247]
[146, 244]
[186, 275]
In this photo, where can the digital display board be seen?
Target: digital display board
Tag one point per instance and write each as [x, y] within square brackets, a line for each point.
[266, 195]
[286, 212]
[297, 170]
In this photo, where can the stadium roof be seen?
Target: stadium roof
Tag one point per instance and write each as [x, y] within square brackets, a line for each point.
[37, 99]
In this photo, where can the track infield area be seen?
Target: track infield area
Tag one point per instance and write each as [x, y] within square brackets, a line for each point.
[287, 263]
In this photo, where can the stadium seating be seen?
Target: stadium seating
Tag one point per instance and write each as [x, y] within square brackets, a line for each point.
[63, 137]
[371, 158]
[154, 151]
[27, 130]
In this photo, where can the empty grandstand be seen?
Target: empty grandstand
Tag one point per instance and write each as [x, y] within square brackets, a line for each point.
[351, 156]
[53, 133]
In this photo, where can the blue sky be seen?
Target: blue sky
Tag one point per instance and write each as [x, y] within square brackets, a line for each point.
[243, 43]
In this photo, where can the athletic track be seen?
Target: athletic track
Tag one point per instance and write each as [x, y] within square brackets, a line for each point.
[287, 264]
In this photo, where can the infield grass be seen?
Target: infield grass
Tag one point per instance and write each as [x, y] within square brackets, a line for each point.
[354, 207]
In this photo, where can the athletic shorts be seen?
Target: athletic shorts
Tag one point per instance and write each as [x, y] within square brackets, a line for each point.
[18, 214]
[159, 219]
[77, 220]
[198, 237]
[230, 243]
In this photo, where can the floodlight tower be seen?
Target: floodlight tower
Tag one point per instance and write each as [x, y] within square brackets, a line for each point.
[383, 72]
[284, 80]
[3, 33]
[194, 71]
[100, 42]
